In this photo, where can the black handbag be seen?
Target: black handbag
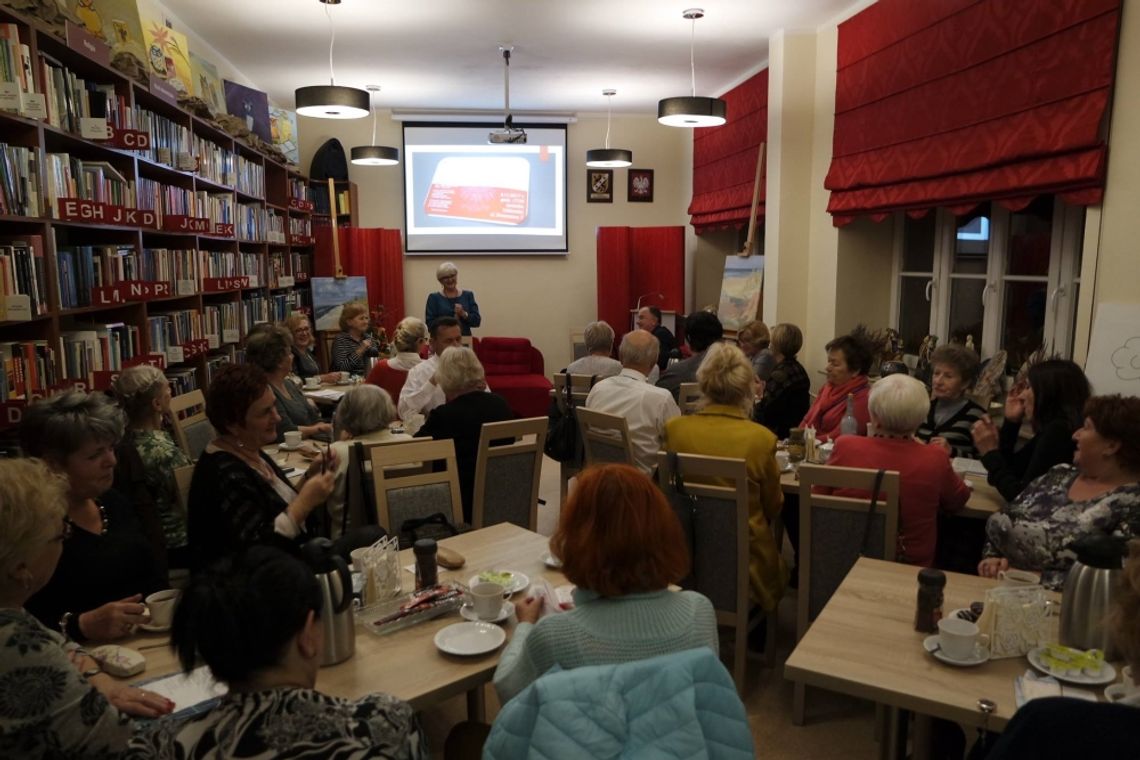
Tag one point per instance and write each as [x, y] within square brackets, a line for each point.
[563, 443]
[435, 526]
[863, 547]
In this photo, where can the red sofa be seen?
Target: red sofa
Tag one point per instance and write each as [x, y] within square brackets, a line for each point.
[517, 372]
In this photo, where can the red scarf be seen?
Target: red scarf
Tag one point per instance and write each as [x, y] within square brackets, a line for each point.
[828, 410]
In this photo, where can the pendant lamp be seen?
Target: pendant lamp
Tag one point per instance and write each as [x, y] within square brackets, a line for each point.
[609, 157]
[692, 111]
[331, 101]
[373, 154]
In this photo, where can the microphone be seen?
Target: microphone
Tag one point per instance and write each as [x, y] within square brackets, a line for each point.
[646, 295]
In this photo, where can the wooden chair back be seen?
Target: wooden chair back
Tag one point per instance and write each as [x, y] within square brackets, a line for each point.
[580, 386]
[605, 437]
[182, 478]
[507, 476]
[406, 492]
[192, 430]
[690, 398]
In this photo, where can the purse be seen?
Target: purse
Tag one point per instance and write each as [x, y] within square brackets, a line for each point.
[563, 444]
[435, 526]
[867, 525]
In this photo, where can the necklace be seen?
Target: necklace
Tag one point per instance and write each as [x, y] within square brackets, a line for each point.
[103, 517]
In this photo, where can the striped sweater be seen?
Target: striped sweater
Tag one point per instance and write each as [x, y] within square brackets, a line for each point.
[955, 430]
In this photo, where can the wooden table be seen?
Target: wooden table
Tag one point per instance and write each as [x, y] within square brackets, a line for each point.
[406, 663]
[984, 499]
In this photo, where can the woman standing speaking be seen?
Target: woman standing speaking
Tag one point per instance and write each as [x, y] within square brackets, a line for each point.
[450, 301]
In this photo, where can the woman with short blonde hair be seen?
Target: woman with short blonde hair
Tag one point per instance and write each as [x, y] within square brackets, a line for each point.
[725, 377]
[410, 338]
[304, 342]
[754, 340]
[452, 301]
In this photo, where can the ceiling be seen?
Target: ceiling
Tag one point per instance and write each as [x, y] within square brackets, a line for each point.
[443, 54]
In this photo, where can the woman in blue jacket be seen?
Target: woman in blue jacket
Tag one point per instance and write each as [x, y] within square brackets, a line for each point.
[451, 301]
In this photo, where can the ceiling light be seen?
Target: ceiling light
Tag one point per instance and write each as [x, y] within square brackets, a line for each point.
[331, 101]
[373, 154]
[609, 157]
[692, 111]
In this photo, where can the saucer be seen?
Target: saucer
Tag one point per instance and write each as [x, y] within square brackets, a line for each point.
[154, 628]
[287, 447]
[1115, 693]
[551, 561]
[470, 638]
[468, 613]
[930, 644]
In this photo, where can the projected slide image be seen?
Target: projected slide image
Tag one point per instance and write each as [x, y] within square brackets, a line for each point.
[493, 189]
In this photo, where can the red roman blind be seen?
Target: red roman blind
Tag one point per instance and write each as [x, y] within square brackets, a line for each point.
[724, 159]
[956, 102]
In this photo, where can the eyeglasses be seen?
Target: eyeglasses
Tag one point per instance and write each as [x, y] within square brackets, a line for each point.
[302, 330]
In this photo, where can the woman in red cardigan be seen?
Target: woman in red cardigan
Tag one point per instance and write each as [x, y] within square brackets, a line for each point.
[848, 361]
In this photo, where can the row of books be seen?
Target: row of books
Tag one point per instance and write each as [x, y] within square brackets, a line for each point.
[230, 264]
[173, 328]
[251, 222]
[99, 181]
[182, 380]
[222, 321]
[20, 185]
[26, 367]
[215, 163]
[283, 304]
[171, 143]
[300, 225]
[22, 273]
[299, 190]
[321, 201]
[254, 311]
[98, 348]
[71, 99]
[250, 177]
[15, 69]
[217, 207]
[274, 226]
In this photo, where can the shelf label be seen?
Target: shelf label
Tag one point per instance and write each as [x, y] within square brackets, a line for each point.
[302, 240]
[222, 284]
[174, 355]
[10, 97]
[223, 229]
[254, 282]
[186, 162]
[162, 88]
[82, 41]
[300, 204]
[130, 139]
[230, 336]
[93, 212]
[195, 348]
[301, 276]
[154, 360]
[33, 105]
[16, 307]
[130, 290]
[187, 287]
[92, 128]
[181, 223]
[213, 341]
[285, 281]
[273, 236]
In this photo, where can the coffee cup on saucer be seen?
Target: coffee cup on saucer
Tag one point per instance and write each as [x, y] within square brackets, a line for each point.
[487, 599]
[292, 439]
[161, 606]
[958, 639]
[312, 382]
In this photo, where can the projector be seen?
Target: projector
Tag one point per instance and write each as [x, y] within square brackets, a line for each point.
[507, 137]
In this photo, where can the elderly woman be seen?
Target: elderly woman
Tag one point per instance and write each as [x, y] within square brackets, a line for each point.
[927, 483]
[411, 337]
[108, 565]
[848, 361]
[363, 415]
[353, 347]
[1051, 402]
[450, 301]
[952, 416]
[599, 339]
[269, 349]
[468, 405]
[621, 546]
[239, 496]
[723, 429]
[754, 340]
[1097, 495]
[255, 620]
[144, 394]
[54, 700]
[304, 341]
[786, 393]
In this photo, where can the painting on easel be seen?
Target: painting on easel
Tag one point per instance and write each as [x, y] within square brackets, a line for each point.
[740, 291]
[330, 294]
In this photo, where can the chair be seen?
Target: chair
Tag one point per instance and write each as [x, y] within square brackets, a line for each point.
[605, 437]
[690, 398]
[192, 431]
[359, 496]
[831, 531]
[578, 344]
[401, 496]
[507, 476]
[182, 478]
[580, 386]
[710, 497]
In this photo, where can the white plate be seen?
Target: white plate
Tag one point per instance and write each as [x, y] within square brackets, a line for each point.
[518, 582]
[470, 638]
[930, 644]
[1115, 693]
[1107, 674]
[468, 613]
[154, 628]
[551, 561]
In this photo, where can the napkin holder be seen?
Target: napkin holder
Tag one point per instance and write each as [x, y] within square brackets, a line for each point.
[1014, 618]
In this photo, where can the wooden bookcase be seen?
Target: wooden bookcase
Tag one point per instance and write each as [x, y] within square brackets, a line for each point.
[204, 236]
[347, 206]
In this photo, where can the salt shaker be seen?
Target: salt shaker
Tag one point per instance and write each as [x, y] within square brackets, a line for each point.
[928, 610]
[427, 574]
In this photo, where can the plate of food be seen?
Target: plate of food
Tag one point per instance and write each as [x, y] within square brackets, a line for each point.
[1076, 666]
[511, 580]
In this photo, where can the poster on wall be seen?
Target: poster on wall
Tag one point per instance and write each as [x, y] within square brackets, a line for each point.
[330, 294]
[168, 55]
[117, 23]
[251, 105]
[207, 83]
[283, 129]
[1113, 364]
[740, 291]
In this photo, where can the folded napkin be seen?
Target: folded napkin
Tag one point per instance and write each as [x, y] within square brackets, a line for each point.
[1032, 685]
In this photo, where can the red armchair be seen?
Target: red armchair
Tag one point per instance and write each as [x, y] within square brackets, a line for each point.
[517, 372]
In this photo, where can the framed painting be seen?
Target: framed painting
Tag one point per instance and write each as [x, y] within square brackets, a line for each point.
[599, 186]
[639, 188]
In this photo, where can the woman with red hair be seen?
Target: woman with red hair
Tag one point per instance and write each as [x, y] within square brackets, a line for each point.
[621, 545]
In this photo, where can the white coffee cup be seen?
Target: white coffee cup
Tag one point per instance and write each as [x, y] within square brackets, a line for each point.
[1131, 688]
[312, 382]
[161, 605]
[487, 599]
[293, 439]
[958, 639]
[1018, 578]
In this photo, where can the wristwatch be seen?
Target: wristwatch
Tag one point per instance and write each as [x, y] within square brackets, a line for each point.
[69, 627]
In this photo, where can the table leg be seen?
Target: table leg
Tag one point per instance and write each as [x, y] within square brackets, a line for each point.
[893, 733]
[921, 740]
[477, 705]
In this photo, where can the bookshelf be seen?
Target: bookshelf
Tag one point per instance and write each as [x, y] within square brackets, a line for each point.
[346, 202]
[131, 231]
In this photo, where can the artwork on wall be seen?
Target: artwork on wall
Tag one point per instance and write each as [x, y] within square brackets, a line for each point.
[283, 129]
[117, 23]
[251, 105]
[740, 291]
[639, 188]
[207, 84]
[599, 186]
[330, 294]
[1113, 363]
[168, 55]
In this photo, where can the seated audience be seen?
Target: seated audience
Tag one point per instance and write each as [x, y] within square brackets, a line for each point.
[421, 393]
[304, 342]
[468, 405]
[451, 301]
[646, 408]
[649, 319]
[411, 336]
[723, 429]
[599, 337]
[1051, 402]
[108, 564]
[239, 496]
[754, 340]
[269, 350]
[848, 362]
[952, 415]
[144, 394]
[363, 415]
[786, 397]
[1098, 494]
[352, 349]
[254, 619]
[621, 546]
[702, 329]
[54, 700]
[927, 482]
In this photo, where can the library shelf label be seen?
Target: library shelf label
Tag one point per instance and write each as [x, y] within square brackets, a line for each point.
[93, 128]
[94, 212]
[301, 276]
[193, 349]
[12, 412]
[103, 379]
[180, 223]
[285, 281]
[130, 290]
[161, 88]
[82, 41]
[10, 97]
[230, 336]
[300, 204]
[130, 139]
[222, 284]
[223, 229]
[15, 308]
[302, 240]
[33, 105]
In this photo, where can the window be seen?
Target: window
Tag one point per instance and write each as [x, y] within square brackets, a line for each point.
[999, 279]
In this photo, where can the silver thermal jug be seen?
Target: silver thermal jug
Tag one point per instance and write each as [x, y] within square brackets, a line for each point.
[336, 600]
[1089, 594]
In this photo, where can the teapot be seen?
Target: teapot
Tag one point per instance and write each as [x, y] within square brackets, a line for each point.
[1090, 591]
[335, 615]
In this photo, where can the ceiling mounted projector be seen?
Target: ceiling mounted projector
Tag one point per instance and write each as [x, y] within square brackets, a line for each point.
[509, 134]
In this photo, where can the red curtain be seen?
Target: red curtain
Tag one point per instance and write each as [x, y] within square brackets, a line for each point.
[724, 159]
[634, 262]
[963, 101]
[377, 254]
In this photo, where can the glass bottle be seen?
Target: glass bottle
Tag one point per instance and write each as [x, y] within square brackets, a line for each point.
[796, 449]
[849, 425]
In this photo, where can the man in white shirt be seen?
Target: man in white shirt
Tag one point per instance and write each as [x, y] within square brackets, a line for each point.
[646, 408]
[420, 393]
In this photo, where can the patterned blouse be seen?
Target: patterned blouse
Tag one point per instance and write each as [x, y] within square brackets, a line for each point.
[345, 358]
[1036, 529]
[286, 724]
[47, 709]
[160, 457]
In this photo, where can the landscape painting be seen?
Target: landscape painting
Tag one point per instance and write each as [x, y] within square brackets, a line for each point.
[740, 291]
[330, 294]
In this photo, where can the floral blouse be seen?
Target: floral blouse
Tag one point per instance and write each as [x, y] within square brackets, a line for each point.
[1035, 531]
[160, 457]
